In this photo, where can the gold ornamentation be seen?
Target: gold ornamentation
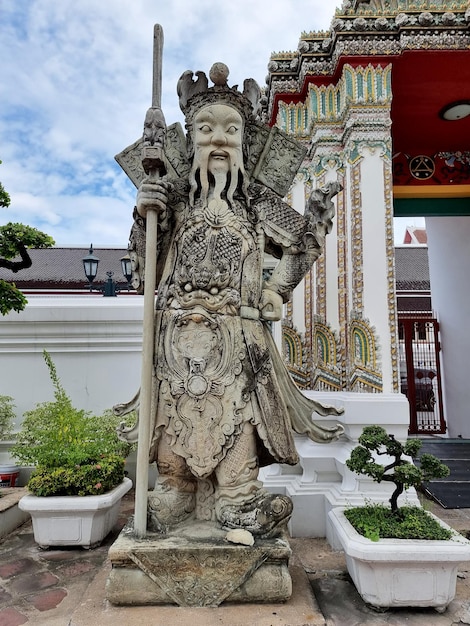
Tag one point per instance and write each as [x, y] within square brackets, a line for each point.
[391, 293]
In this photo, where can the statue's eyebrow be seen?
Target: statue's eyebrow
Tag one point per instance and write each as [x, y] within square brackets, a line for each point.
[205, 116]
[209, 116]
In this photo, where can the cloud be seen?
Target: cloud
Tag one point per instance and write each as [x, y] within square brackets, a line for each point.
[76, 82]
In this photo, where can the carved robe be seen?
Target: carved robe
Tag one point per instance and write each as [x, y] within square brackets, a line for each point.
[216, 365]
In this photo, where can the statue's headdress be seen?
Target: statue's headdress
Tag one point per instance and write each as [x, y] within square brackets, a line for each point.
[272, 157]
[194, 94]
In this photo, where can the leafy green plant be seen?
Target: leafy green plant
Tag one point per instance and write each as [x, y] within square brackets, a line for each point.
[15, 240]
[74, 452]
[87, 479]
[7, 416]
[376, 521]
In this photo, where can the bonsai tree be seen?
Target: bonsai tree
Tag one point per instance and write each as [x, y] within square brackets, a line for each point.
[74, 452]
[405, 522]
[400, 471]
[15, 240]
[7, 416]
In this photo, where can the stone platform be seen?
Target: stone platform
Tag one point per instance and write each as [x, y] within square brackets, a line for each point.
[196, 566]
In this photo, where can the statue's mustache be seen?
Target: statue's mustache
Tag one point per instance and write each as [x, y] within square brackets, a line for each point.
[203, 175]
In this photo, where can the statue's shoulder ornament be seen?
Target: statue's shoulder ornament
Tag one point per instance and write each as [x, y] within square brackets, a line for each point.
[279, 221]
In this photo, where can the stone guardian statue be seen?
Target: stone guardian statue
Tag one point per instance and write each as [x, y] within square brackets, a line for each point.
[223, 403]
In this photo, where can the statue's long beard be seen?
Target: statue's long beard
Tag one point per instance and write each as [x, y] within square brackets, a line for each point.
[216, 182]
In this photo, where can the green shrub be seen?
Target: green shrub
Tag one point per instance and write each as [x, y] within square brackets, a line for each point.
[377, 521]
[74, 452]
[7, 416]
[88, 479]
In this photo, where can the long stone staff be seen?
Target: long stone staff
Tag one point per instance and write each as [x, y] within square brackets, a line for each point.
[153, 164]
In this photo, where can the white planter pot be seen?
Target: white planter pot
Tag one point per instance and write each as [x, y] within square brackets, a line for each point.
[74, 520]
[401, 572]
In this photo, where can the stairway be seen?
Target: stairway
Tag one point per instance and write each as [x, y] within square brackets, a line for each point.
[452, 492]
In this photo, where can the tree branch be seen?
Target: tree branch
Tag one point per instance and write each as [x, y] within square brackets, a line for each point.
[16, 266]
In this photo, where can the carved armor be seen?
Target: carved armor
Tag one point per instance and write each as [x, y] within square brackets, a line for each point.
[212, 275]
[216, 365]
[223, 401]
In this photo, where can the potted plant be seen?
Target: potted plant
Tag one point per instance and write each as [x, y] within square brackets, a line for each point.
[9, 472]
[78, 478]
[398, 556]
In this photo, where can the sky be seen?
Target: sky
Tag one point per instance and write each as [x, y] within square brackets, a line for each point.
[76, 81]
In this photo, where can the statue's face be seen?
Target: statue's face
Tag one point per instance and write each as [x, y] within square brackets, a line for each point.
[218, 132]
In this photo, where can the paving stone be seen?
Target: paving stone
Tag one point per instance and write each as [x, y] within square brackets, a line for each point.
[19, 566]
[10, 548]
[316, 555]
[76, 569]
[341, 605]
[59, 555]
[30, 584]
[4, 596]
[12, 617]
[49, 600]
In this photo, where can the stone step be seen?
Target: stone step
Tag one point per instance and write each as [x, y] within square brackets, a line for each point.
[10, 515]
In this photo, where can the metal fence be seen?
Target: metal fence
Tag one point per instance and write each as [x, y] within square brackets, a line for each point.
[420, 374]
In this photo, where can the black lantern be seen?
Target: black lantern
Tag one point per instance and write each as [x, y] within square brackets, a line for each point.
[90, 265]
[109, 288]
[126, 267]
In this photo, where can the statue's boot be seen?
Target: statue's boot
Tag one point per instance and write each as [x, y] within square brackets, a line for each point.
[266, 515]
[170, 503]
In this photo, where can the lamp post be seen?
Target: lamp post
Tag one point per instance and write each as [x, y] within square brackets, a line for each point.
[109, 289]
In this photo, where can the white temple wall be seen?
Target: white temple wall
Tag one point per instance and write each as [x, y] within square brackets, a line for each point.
[95, 343]
[297, 194]
[298, 307]
[449, 260]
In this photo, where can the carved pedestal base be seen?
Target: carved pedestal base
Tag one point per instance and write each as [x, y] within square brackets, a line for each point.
[195, 566]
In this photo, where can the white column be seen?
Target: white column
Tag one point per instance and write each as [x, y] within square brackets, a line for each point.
[375, 239]
[297, 196]
[449, 262]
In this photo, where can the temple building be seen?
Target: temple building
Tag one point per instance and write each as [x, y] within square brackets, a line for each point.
[382, 100]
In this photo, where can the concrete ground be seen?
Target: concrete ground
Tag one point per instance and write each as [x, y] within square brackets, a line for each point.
[66, 588]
